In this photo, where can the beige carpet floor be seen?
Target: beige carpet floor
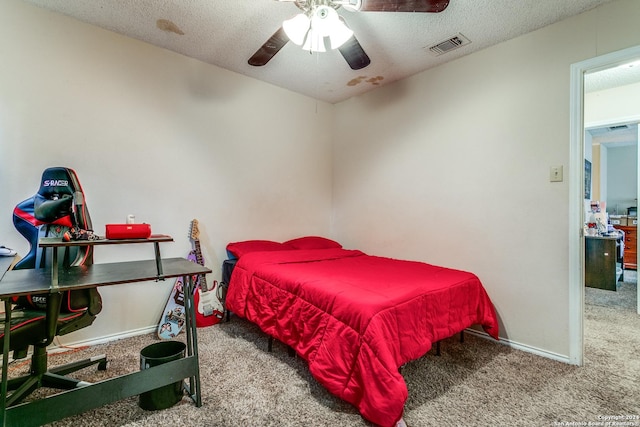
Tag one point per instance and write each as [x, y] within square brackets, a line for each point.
[475, 383]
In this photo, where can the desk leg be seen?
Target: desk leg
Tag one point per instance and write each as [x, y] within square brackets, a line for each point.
[5, 359]
[54, 267]
[158, 261]
[192, 340]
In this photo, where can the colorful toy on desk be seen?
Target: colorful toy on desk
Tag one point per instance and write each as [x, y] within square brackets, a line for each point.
[76, 234]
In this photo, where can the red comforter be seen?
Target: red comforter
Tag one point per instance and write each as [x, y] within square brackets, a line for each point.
[357, 318]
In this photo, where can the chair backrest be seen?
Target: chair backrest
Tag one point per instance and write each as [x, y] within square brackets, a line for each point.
[58, 206]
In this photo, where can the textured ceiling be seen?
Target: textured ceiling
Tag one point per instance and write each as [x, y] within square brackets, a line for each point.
[622, 75]
[227, 32]
[618, 134]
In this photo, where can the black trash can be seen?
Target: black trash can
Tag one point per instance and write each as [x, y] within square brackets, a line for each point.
[154, 355]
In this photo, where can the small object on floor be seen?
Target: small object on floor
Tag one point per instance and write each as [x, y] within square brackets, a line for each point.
[76, 234]
[401, 423]
[5, 251]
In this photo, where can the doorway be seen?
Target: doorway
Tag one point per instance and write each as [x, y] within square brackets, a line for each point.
[577, 191]
[611, 149]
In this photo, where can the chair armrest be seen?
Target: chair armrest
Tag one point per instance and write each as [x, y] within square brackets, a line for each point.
[95, 302]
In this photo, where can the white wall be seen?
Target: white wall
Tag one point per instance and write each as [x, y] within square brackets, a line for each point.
[622, 178]
[610, 106]
[158, 135]
[451, 166]
[604, 172]
[615, 106]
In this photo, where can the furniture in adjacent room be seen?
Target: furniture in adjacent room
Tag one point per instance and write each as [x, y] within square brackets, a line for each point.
[630, 246]
[603, 263]
[52, 281]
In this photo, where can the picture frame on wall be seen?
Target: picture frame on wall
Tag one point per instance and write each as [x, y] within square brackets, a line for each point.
[587, 179]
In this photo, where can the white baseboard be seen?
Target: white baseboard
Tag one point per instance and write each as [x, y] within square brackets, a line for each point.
[522, 347]
[61, 348]
[102, 340]
[151, 329]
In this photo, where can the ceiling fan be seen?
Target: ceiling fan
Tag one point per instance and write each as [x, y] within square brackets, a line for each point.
[320, 21]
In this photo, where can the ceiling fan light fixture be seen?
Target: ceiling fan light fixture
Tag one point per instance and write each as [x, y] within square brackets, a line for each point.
[310, 31]
[325, 20]
[297, 28]
[340, 34]
[314, 41]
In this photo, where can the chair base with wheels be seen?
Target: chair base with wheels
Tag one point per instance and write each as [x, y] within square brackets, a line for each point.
[56, 378]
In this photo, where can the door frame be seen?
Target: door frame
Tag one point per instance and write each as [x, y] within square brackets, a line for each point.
[576, 192]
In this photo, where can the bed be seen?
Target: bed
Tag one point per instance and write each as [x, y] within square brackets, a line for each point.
[355, 318]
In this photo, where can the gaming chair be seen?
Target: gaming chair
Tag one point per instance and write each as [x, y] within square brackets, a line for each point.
[57, 207]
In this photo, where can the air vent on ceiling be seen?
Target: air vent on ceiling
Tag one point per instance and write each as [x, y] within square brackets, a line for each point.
[618, 127]
[450, 44]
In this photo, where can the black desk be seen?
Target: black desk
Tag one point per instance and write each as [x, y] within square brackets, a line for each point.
[72, 402]
[57, 245]
[603, 262]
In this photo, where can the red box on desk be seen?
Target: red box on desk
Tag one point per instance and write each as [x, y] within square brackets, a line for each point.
[127, 231]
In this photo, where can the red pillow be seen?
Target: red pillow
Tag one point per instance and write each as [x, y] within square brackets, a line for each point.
[313, 242]
[237, 249]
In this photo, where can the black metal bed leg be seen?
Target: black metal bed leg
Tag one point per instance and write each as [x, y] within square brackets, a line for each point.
[438, 348]
[461, 336]
[270, 345]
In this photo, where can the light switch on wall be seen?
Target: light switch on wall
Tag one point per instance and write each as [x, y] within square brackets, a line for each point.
[555, 174]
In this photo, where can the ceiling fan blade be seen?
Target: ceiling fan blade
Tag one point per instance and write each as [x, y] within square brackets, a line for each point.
[353, 53]
[432, 6]
[269, 48]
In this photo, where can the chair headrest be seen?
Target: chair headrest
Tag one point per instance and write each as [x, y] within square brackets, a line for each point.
[58, 181]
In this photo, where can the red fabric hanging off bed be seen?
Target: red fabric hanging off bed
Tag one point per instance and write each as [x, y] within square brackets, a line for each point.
[357, 318]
